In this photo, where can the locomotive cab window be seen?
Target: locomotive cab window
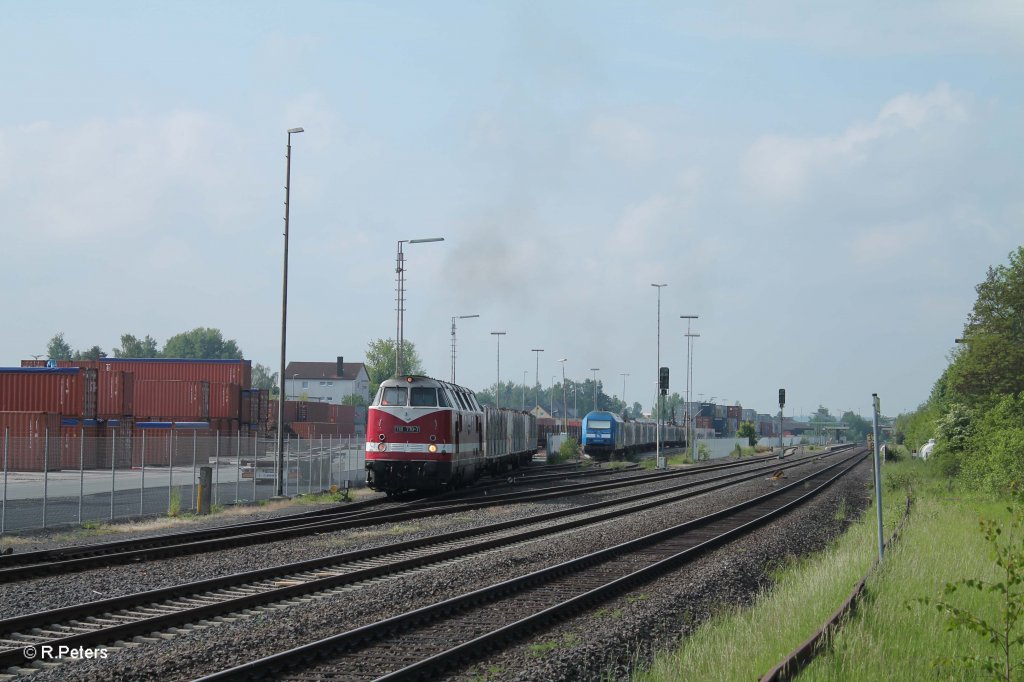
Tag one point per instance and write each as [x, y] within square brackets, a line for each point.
[393, 395]
[442, 398]
[599, 424]
[423, 397]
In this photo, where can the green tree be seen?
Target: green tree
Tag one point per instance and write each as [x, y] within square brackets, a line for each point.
[747, 430]
[94, 353]
[380, 361]
[353, 399]
[990, 361]
[131, 347]
[202, 343]
[262, 377]
[58, 348]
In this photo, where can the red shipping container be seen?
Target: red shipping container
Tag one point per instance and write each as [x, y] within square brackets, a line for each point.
[315, 430]
[116, 395]
[225, 401]
[79, 446]
[172, 400]
[705, 422]
[249, 406]
[166, 369]
[32, 440]
[116, 444]
[733, 411]
[157, 446]
[264, 413]
[69, 391]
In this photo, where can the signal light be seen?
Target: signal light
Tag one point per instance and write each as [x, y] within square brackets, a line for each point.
[663, 379]
[782, 397]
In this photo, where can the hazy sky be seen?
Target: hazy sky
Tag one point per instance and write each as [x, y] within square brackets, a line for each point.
[824, 187]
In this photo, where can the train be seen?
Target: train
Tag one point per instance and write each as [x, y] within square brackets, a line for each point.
[606, 434]
[425, 434]
[549, 426]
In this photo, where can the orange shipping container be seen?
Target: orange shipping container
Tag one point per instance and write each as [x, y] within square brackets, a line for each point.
[69, 391]
[32, 441]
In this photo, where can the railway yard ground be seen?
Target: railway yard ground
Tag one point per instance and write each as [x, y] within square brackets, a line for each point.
[718, 601]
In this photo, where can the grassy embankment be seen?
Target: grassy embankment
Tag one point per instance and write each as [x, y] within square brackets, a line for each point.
[892, 635]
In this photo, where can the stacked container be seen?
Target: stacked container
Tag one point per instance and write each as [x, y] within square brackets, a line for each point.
[32, 442]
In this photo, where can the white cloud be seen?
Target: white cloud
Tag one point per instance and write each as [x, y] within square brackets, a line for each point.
[622, 140]
[780, 168]
[128, 177]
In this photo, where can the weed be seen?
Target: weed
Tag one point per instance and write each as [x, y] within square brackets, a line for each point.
[1003, 634]
[174, 505]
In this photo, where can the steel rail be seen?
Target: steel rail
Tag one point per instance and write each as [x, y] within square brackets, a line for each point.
[63, 560]
[275, 664]
[119, 607]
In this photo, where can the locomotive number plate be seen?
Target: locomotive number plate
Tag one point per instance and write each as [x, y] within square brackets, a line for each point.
[407, 429]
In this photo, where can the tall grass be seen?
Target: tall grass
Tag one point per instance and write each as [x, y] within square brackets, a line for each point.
[891, 636]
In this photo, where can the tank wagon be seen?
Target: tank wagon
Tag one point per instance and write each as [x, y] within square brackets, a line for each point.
[606, 434]
[427, 434]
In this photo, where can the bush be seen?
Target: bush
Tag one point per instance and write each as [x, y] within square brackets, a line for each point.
[568, 450]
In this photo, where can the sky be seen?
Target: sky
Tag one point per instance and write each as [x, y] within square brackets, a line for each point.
[823, 184]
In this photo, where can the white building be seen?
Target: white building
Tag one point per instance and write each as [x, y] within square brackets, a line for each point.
[326, 382]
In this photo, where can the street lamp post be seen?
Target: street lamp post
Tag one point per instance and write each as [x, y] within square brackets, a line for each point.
[657, 374]
[537, 352]
[497, 386]
[457, 317]
[284, 314]
[400, 297]
[595, 370]
[553, 396]
[524, 390]
[624, 375]
[565, 411]
[691, 427]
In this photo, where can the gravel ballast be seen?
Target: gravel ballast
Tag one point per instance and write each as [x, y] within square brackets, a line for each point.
[594, 644]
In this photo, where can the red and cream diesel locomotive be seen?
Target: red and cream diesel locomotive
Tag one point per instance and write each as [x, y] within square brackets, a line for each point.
[426, 434]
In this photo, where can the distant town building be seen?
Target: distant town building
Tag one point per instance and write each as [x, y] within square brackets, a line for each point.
[328, 382]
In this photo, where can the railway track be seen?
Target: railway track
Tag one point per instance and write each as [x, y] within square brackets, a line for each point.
[423, 643]
[27, 565]
[156, 614]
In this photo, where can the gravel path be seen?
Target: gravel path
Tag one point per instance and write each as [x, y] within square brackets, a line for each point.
[606, 641]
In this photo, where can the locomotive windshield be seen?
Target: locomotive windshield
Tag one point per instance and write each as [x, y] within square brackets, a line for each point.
[423, 397]
[599, 424]
[394, 395]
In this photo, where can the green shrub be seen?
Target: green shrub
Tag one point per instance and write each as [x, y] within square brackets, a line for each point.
[568, 450]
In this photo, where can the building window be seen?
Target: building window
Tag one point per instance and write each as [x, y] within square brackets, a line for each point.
[305, 384]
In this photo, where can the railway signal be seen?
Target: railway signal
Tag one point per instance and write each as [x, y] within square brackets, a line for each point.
[663, 380]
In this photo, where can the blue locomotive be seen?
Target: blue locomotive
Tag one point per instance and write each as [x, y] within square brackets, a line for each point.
[605, 434]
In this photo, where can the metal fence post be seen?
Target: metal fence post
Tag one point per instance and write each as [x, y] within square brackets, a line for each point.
[330, 466]
[113, 476]
[254, 495]
[287, 462]
[81, 471]
[170, 467]
[46, 470]
[3, 510]
[194, 437]
[216, 472]
[142, 489]
[238, 465]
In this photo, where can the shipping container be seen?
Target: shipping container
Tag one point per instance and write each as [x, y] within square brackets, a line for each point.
[172, 400]
[116, 444]
[224, 401]
[733, 411]
[32, 441]
[316, 430]
[166, 369]
[157, 443]
[705, 422]
[69, 391]
[116, 395]
[81, 440]
[249, 406]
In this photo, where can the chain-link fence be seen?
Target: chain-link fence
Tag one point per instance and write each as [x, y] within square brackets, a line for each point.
[72, 477]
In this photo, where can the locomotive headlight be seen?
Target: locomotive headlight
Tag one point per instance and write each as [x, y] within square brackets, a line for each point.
[432, 448]
[381, 447]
